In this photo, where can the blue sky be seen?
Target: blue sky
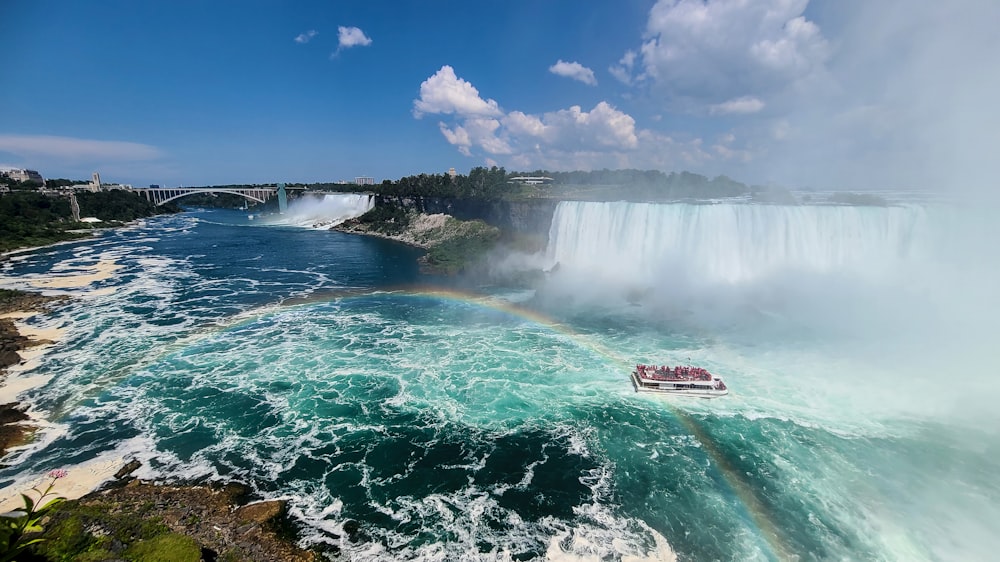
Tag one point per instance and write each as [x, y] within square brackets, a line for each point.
[831, 94]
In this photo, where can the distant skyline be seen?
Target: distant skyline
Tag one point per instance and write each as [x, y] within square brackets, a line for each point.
[828, 94]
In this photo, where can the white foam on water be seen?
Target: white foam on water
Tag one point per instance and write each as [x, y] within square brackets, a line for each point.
[81, 478]
[334, 377]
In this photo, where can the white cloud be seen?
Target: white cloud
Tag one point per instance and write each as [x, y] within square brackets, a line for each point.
[352, 37]
[703, 53]
[604, 126]
[458, 137]
[483, 131]
[480, 132]
[305, 37]
[725, 149]
[446, 93]
[571, 138]
[574, 70]
[745, 104]
[519, 124]
[623, 70]
[49, 148]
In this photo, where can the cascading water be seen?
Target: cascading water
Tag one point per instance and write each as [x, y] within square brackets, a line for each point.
[330, 210]
[732, 243]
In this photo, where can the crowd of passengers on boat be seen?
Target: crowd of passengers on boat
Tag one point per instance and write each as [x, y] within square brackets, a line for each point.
[666, 373]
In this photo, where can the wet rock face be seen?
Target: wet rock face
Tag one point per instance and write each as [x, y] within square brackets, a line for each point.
[10, 343]
[12, 432]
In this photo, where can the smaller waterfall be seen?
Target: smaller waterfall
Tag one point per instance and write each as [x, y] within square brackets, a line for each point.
[325, 211]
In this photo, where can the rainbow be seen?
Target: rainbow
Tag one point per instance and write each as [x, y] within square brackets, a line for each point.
[756, 509]
[512, 309]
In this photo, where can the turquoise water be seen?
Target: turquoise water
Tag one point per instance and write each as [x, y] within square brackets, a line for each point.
[492, 423]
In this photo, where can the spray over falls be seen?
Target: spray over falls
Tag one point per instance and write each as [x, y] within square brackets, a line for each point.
[326, 210]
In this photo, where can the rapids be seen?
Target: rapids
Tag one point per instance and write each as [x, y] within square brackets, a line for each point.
[452, 423]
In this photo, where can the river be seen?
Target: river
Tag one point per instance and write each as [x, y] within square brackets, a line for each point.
[452, 421]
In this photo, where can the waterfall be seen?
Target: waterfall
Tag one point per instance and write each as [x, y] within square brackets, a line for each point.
[328, 210]
[732, 243]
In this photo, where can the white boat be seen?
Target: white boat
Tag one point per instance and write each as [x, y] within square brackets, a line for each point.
[682, 380]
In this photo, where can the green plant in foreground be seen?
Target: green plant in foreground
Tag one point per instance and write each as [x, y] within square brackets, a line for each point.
[14, 526]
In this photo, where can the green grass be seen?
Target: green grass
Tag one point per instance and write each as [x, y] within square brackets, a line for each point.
[170, 547]
[470, 241]
[83, 533]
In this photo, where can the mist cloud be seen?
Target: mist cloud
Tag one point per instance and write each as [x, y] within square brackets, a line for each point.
[849, 95]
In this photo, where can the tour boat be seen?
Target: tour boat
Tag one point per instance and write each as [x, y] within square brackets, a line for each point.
[682, 380]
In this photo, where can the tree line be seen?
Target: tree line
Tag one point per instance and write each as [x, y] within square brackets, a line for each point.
[497, 183]
[31, 218]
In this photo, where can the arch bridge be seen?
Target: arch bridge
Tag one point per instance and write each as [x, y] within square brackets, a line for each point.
[161, 195]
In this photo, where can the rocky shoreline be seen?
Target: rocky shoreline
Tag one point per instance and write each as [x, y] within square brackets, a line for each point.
[452, 245]
[13, 430]
[176, 522]
[417, 233]
[126, 518]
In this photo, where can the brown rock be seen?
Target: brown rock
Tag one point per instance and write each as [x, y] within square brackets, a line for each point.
[12, 432]
[130, 467]
[260, 512]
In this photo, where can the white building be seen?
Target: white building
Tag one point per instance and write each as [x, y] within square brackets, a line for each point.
[531, 180]
[364, 180]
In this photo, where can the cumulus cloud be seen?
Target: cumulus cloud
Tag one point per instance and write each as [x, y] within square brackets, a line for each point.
[476, 132]
[571, 138]
[352, 37]
[444, 92]
[457, 136]
[603, 126]
[521, 124]
[574, 70]
[703, 53]
[483, 131]
[745, 104]
[306, 36]
[53, 148]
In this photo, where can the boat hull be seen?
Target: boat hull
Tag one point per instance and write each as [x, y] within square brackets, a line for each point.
[667, 387]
